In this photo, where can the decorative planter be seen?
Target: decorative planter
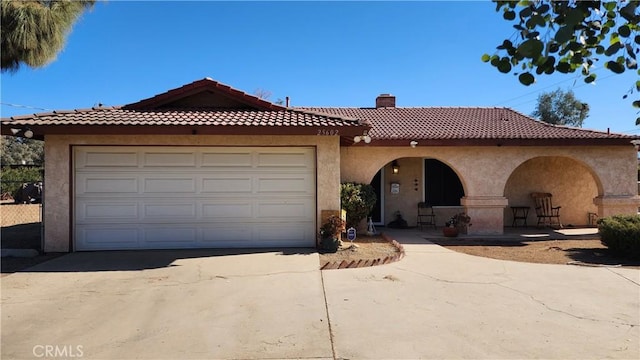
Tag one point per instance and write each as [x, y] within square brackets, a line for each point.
[449, 231]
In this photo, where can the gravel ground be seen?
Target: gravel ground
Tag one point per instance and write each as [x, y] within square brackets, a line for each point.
[365, 248]
[582, 252]
[589, 252]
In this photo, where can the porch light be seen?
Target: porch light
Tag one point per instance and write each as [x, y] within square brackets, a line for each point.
[28, 133]
[413, 143]
[395, 168]
[364, 137]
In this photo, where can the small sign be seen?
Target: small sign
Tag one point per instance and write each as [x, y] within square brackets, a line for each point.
[395, 188]
[351, 234]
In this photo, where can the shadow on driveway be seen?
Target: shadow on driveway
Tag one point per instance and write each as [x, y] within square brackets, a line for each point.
[135, 260]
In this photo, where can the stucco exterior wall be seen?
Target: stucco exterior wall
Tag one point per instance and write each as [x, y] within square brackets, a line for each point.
[58, 170]
[411, 180]
[485, 172]
[572, 185]
[406, 200]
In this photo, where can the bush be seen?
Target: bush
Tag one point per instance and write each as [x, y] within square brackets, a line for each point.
[358, 200]
[13, 178]
[621, 234]
[329, 233]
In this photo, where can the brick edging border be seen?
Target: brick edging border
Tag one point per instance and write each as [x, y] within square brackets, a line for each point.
[344, 264]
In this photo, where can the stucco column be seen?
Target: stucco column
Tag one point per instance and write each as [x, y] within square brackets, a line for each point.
[486, 212]
[609, 205]
[56, 195]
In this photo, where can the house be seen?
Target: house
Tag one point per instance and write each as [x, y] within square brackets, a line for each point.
[206, 165]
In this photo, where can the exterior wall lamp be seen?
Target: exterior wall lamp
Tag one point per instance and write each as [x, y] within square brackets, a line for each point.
[364, 137]
[395, 168]
[25, 132]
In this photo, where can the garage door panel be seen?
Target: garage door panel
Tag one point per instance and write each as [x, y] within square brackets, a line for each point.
[107, 159]
[169, 211]
[274, 234]
[214, 236]
[169, 236]
[223, 211]
[87, 184]
[181, 159]
[289, 209]
[290, 160]
[284, 184]
[227, 159]
[169, 185]
[227, 184]
[188, 197]
[106, 211]
[93, 238]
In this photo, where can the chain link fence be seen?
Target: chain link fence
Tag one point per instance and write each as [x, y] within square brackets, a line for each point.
[21, 209]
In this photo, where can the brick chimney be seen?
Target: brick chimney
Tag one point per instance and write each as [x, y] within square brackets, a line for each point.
[385, 100]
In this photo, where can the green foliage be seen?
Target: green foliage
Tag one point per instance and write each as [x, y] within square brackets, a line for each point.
[561, 108]
[33, 32]
[19, 151]
[329, 233]
[12, 179]
[358, 200]
[621, 234]
[568, 36]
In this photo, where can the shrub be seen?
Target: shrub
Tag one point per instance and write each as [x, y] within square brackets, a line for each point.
[13, 178]
[329, 232]
[621, 234]
[358, 200]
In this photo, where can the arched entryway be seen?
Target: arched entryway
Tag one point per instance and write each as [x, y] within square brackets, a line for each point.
[404, 182]
[572, 184]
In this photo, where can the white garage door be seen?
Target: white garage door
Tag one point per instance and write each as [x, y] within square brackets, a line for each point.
[190, 197]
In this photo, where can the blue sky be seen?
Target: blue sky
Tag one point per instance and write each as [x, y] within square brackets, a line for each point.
[317, 53]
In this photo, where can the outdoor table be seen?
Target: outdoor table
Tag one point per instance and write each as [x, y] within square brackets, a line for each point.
[520, 213]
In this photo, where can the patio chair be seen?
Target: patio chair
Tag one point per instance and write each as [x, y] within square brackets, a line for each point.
[426, 216]
[545, 211]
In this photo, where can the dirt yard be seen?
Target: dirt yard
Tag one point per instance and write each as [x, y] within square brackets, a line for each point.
[364, 248]
[578, 252]
[574, 252]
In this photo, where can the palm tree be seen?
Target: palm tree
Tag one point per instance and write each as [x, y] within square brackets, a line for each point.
[33, 32]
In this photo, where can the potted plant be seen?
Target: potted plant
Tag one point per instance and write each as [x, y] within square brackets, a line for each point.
[330, 233]
[456, 224]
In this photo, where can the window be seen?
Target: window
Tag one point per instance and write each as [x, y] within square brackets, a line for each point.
[442, 187]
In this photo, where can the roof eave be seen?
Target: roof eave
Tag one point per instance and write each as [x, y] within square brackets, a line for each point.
[503, 142]
[41, 130]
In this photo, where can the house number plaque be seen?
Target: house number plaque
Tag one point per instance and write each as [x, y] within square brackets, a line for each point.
[328, 132]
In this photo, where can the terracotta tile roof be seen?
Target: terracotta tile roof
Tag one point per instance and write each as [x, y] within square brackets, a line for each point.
[114, 116]
[460, 123]
[200, 86]
[219, 108]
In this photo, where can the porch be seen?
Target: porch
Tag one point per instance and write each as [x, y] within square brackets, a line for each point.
[509, 234]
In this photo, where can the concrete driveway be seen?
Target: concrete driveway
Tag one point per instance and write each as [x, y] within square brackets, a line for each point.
[168, 305]
[434, 303]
